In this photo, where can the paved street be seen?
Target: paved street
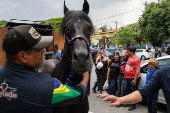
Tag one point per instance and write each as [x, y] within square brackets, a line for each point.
[98, 106]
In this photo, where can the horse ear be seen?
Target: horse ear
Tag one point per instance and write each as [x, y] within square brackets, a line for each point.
[86, 7]
[65, 8]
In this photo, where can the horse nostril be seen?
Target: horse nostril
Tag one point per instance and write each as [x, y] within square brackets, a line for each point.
[75, 56]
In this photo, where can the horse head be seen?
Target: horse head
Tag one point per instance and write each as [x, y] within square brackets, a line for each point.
[77, 27]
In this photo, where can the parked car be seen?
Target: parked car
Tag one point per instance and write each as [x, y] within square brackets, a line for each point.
[112, 50]
[143, 71]
[144, 54]
[108, 54]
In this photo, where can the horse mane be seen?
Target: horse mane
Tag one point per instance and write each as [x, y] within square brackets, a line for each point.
[71, 17]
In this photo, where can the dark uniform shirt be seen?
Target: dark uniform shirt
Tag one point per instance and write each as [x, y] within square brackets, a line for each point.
[23, 90]
[114, 69]
[161, 80]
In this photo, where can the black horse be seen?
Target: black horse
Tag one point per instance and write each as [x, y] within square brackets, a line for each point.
[75, 23]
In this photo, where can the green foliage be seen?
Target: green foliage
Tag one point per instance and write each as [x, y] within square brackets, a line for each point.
[54, 22]
[154, 22]
[104, 28]
[2, 23]
[127, 35]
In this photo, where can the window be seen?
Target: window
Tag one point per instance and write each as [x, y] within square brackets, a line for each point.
[148, 50]
[144, 69]
[161, 63]
[139, 51]
[111, 51]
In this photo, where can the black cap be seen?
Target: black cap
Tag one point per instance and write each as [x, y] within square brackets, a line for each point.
[24, 37]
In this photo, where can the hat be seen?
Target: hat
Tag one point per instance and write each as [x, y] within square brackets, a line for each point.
[153, 61]
[24, 37]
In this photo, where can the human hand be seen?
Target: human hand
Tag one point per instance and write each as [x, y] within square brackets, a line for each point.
[107, 77]
[134, 82]
[116, 100]
[103, 95]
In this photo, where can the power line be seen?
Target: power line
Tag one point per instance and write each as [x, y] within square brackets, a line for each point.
[112, 16]
[108, 22]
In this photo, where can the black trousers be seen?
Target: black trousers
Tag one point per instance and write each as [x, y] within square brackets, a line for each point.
[156, 54]
[120, 84]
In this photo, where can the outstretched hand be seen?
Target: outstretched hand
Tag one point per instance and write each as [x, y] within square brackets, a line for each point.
[103, 95]
[116, 100]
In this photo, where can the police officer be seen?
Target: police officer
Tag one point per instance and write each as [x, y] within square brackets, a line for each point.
[23, 90]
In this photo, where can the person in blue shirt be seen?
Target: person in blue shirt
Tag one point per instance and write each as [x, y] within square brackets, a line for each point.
[56, 53]
[153, 68]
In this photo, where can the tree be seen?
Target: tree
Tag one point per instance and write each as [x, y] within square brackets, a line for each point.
[54, 22]
[127, 35]
[104, 28]
[154, 22]
[2, 23]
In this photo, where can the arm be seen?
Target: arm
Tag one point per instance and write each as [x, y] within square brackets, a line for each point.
[123, 68]
[132, 98]
[85, 80]
[48, 53]
[109, 61]
[136, 76]
[64, 95]
[152, 86]
[137, 67]
[108, 73]
[97, 59]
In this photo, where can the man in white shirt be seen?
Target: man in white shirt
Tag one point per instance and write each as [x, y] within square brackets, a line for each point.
[121, 52]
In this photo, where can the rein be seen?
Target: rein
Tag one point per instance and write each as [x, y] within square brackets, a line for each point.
[69, 56]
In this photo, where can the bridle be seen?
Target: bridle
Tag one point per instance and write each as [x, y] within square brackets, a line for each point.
[78, 37]
[71, 65]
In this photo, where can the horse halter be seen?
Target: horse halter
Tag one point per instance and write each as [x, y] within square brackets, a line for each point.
[71, 65]
[78, 37]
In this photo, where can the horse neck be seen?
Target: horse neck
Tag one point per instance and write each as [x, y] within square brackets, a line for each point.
[62, 70]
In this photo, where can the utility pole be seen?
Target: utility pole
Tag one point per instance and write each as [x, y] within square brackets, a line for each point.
[116, 31]
[116, 26]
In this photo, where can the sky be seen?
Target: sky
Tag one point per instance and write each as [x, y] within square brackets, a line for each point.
[102, 12]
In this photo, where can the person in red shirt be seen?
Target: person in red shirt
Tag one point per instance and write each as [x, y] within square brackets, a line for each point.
[132, 74]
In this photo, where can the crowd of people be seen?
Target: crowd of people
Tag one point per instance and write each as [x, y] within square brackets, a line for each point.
[160, 52]
[123, 74]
